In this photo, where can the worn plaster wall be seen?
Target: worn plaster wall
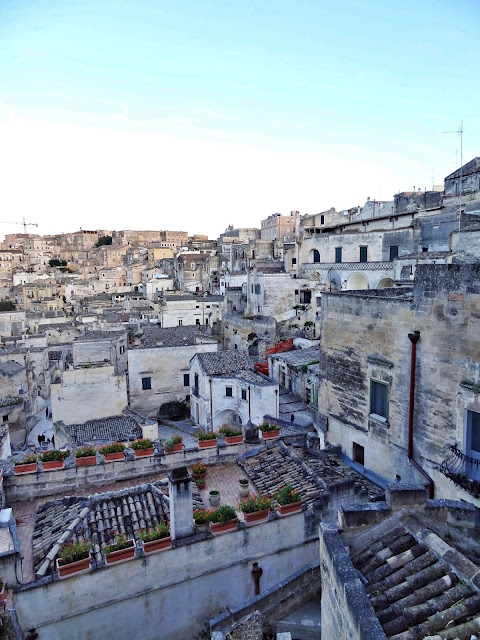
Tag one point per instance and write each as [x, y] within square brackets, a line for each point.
[88, 394]
[248, 333]
[171, 594]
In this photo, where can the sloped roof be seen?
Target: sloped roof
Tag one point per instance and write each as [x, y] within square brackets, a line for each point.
[471, 167]
[10, 368]
[224, 362]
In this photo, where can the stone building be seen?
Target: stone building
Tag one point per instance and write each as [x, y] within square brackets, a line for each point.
[278, 227]
[13, 387]
[225, 390]
[365, 382]
[159, 365]
[177, 309]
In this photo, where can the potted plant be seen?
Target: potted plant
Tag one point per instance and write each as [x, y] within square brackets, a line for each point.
[232, 436]
[173, 444]
[214, 497]
[222, 520]
[201, 483]
[206, 439]
[201, 518]
[268, 431]
[53, 459]
[143, 447]
[114, 451]
[121, 549]
[27, 465]
[244, 488]
[157, 539]
[256, 508]
[74, 558]
[199, 471]
[288, 501]
[2, 592]
[86, 456]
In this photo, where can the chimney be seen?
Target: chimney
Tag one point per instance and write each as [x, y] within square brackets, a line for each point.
[181, 503]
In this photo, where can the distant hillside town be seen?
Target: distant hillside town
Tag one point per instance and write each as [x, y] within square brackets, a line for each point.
[317, 376]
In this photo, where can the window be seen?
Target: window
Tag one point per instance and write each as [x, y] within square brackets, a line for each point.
[146, 383]
[393, 252]
[122, 348]
[195, 385]
[197, 321]
[244, 394]
[229, 392]
[358, 454]
[338, 254]
[424, 249]
[379, 398]
[322, 219]
[294, 261]
[472, 445]
[206, 320]
[363, 254]
[316, 255]
[257, 289]
[5, 418]
[180, 322]
[186, 379]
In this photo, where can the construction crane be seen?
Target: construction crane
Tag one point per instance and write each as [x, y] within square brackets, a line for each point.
[24, 224]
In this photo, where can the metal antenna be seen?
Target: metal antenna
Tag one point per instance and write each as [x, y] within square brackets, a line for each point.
[460, 133]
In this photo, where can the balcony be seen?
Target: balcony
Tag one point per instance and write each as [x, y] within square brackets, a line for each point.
[463, 470]
[346, 266]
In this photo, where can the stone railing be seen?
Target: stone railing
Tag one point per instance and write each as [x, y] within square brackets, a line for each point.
[463, 470]
[346, 266]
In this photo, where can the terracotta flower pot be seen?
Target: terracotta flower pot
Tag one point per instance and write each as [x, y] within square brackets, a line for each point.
[112, 457]
[158, 545]
[207, 444]
[234, 439]
[256, 517]
[3, 594]
[52, 465]
[199, 476]
[176, 448]
[289, 509]
[86, 461]
[31, 467]
[143, 453]
[73, 568]
[121, 555]
[217, 528]
[269, 435]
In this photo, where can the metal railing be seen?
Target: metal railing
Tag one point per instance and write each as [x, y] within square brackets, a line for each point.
[463, 470]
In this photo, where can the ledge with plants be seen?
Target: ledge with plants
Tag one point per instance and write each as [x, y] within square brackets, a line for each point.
[121, 549]
[199, 472]
[173, 444]
[86, 456]
[256, 508]
[156, 539]
[288, 500]
[222, 520]
[52, 460]
[232, 436]
[114, 451]
[74, 558]
[142, 447]
[206, 439]
[27, 465]
[268, 431]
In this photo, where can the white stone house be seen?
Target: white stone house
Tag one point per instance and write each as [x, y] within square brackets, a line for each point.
[159, 365]
[180, 310]
[225, 390]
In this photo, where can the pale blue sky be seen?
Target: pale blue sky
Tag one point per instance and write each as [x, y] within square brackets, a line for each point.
[153, 114]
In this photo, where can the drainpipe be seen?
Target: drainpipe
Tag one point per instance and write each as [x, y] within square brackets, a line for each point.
[414, 337]
[211, 404]
[249, 406]
[256, 575]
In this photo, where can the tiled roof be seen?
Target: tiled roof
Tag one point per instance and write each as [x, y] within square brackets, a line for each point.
[96, 518]
[251, 377]
[107, 429]
[10, 368]
[156, 336]
[224, 362]
[418, 583]
[298, 357]
[101, 335]
[273, 467]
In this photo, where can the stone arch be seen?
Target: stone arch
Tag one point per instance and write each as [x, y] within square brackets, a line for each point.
[384, 283]
[357, 281]
[333, 280]
[227, 416]
[314, 256]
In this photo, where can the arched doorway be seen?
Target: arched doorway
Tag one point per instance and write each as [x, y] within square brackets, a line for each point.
[227, 416]
[357, 281]
[384, 283]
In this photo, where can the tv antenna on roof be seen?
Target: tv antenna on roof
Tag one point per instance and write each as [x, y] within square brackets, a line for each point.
[460, 133]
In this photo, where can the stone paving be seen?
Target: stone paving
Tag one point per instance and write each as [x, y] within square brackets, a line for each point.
[225, 479]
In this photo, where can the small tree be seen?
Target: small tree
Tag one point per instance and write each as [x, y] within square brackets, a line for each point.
[7, 305]
[104, 241]
[55, 262]
[174, 410]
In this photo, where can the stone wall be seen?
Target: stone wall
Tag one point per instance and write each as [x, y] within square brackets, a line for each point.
[172, 594]
[88, 394]
[246, 333]
[366, 338]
